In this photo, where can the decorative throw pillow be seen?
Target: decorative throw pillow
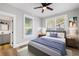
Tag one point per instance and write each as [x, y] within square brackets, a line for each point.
[53, 34]
[61, 35]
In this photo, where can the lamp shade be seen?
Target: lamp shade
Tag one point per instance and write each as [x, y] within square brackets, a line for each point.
[42, 30]
[70, 24]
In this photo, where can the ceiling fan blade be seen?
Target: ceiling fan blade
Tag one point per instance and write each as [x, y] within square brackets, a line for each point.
[49, 4]
[49, 8]
[45, 4]
[42, 10]
[38, 7]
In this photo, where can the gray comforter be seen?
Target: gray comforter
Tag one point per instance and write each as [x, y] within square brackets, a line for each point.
[52, 44]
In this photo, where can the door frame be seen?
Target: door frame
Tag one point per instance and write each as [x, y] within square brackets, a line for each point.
[13, 37]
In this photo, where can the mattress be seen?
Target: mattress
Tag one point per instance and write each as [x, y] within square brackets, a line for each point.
[44, 48]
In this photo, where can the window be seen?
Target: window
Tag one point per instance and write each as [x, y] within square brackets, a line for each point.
[56, 22]
[60, 22]
[28, 26]
[51, 23]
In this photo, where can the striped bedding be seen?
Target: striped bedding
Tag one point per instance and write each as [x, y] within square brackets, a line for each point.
[53, 44]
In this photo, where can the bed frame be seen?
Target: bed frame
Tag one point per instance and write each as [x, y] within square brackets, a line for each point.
[36, 51]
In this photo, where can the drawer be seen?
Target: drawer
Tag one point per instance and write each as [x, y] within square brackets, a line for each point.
[71, 42]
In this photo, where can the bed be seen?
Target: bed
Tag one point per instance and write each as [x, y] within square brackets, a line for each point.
[48, 46]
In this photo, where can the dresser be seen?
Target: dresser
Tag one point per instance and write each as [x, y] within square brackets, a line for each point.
[71, 42]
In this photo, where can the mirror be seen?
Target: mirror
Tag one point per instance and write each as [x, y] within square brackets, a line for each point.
[4, 26]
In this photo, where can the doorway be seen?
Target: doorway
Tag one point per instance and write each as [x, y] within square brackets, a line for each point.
[6, 28]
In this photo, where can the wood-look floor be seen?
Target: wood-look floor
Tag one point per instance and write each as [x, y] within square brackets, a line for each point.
[7, 50]
[72, 51]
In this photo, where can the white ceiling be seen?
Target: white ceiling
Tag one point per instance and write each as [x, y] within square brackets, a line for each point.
[58, 8]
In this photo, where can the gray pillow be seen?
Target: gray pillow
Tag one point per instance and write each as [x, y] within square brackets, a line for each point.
[52, 34]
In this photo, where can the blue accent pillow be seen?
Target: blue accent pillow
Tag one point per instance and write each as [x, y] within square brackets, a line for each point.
[52, 34]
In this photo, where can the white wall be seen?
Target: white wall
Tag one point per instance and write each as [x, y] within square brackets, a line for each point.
[36, 24]
[19, 22]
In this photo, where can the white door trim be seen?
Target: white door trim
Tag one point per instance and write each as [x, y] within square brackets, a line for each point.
[12, 41]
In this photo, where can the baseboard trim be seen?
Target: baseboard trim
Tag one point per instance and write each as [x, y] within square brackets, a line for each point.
[20, 44]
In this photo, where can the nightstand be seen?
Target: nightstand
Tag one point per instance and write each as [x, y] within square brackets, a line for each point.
[40, 35]
[71, 42]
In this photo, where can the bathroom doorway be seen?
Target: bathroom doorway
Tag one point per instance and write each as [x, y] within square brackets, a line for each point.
[6, 29]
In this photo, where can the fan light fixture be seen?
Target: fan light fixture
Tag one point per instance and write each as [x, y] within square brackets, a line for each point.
[44, 8]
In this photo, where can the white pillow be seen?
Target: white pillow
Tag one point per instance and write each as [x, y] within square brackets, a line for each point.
[48, 34]
[61, 35]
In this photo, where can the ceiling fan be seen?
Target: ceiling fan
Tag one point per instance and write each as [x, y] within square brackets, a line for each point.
[44, 6]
